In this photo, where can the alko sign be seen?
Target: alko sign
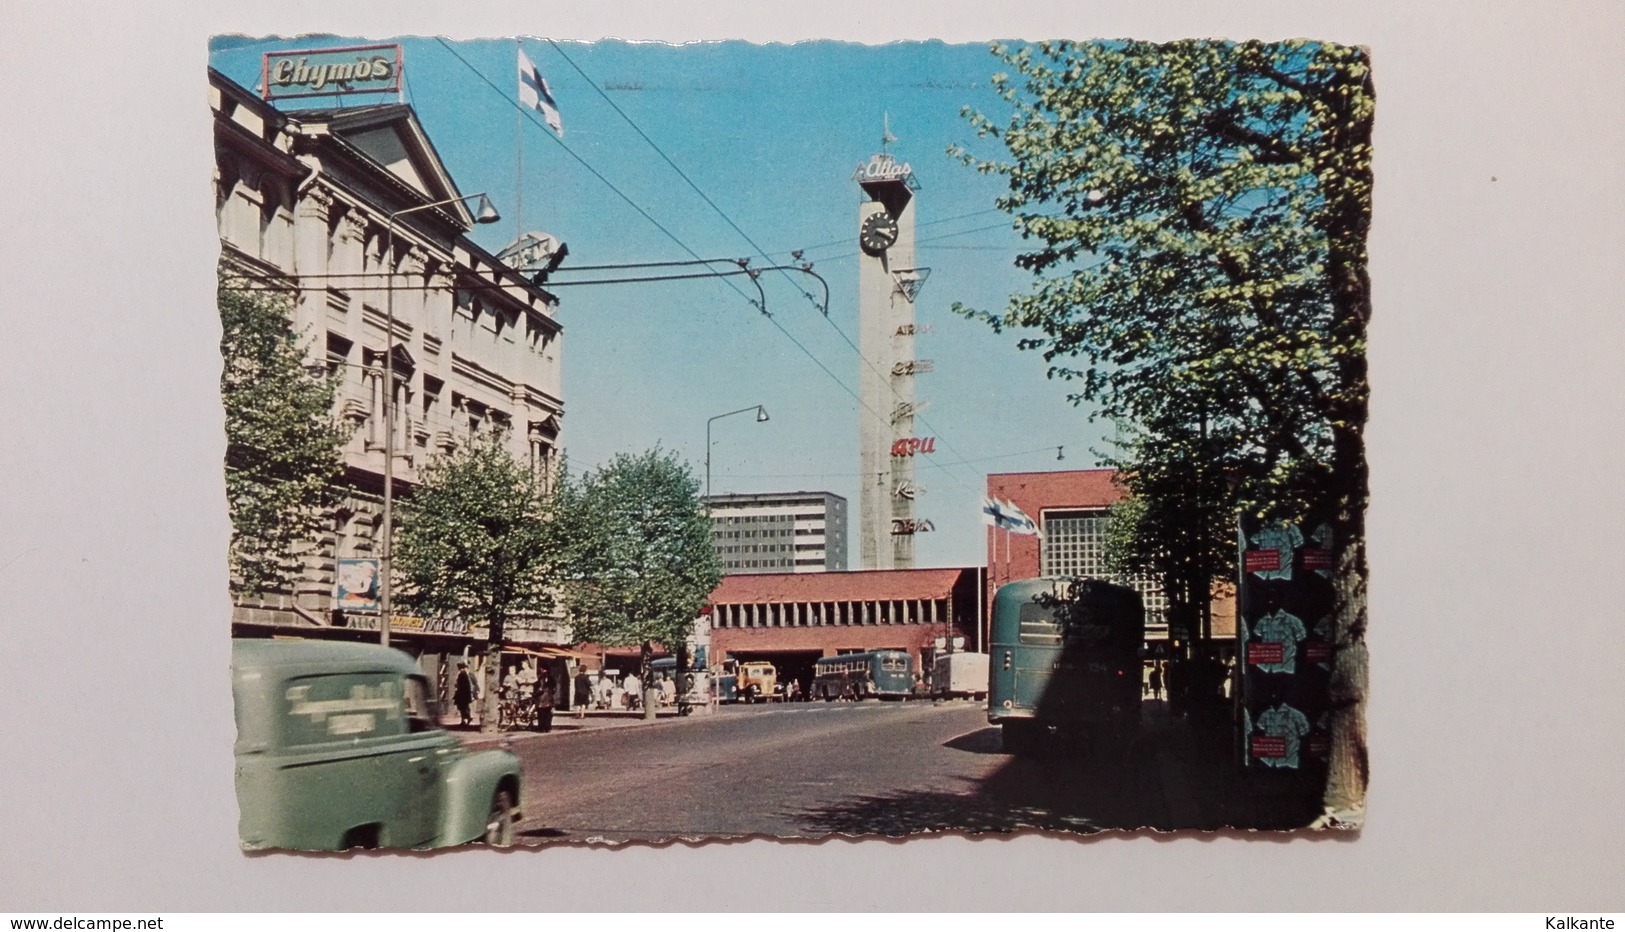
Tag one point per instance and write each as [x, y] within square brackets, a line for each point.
[353, 69]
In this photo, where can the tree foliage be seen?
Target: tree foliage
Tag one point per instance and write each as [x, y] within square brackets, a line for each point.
[1200, 210]
[641, 560]
[282, 442]
[1199, 213]
[477, 538]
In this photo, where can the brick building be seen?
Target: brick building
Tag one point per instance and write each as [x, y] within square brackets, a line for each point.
[1071, 508]
[792, 619]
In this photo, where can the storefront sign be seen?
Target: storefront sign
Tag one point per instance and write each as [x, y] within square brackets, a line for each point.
[356, 69]
[410, 624]
[904, 526]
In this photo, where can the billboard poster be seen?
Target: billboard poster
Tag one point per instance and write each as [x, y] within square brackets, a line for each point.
[355, 585]
[1285, 643]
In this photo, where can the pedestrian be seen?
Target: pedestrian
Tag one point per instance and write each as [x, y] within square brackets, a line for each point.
[633, 687]
[543, 697]
[583, 694]
[463, 694]
[1156, 681]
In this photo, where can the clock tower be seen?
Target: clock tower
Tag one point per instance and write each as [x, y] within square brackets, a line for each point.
[888, 447]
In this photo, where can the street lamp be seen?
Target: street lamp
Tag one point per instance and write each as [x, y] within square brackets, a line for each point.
[761, 415]
[484, 213]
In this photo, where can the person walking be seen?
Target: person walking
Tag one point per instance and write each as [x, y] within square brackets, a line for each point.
[463, 694]
[543, 697]
[583, 694]
[1156, 681]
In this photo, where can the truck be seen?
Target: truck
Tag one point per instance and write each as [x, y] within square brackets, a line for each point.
[746, 681]
[960, 674]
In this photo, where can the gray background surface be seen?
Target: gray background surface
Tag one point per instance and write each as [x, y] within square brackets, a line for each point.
[1496, 716]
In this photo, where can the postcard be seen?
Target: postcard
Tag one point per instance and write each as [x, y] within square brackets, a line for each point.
[635, 442]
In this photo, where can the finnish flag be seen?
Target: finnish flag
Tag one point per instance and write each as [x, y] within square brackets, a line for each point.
[536, 95]
[1006, 515]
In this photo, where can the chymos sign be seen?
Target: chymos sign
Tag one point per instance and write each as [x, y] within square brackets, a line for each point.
[356, 69]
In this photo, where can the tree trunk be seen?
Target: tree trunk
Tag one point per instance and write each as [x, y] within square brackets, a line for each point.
[1348, 769]
[651, 689]
[491, 697]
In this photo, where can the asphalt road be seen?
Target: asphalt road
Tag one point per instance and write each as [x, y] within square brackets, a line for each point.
[817, 769]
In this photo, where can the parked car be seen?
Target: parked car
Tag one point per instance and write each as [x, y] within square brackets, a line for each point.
[339, 746]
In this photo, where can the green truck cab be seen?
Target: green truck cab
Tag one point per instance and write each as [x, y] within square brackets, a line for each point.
[339, 746]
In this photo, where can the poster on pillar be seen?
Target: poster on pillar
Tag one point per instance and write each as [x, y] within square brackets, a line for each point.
[905, 434]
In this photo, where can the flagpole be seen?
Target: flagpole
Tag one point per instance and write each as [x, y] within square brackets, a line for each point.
[1006, 554]
[518, 159]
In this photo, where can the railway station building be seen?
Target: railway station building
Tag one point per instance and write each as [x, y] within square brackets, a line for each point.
[792, 619]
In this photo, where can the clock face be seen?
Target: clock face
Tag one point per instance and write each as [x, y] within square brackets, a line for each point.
[878, 233]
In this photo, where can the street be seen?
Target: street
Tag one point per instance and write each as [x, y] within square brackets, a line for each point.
[815, 769]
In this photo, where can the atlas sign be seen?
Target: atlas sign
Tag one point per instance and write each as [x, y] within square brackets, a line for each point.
[355, 69]
[883, 167]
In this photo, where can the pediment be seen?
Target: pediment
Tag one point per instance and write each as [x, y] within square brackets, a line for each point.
[392, 137]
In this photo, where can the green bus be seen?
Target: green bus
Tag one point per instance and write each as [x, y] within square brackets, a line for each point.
[1064, 656]
[885, 674]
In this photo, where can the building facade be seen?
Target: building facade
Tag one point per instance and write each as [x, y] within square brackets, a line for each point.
[336, 210]
[779, 532]
[792, 619]
[1072, 510]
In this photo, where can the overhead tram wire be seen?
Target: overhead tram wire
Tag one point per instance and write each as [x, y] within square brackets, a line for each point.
[758, 247]
[531, 116]
[847, 241]
[747, 237]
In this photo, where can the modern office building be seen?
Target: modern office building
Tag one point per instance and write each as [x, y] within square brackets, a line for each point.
[779, 532]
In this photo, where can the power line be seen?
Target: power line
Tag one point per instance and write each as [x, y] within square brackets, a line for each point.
[847, 240]
[736, 228]
[531, 116]
[645, 214]
[712, 204]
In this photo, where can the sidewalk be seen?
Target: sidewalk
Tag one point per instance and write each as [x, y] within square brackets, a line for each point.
[566, 723]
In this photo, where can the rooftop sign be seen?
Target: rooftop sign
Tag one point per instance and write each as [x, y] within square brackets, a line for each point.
[883, 166]
[355, 69]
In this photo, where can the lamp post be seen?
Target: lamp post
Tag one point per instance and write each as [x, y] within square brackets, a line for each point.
[485, 213]
[761, 415]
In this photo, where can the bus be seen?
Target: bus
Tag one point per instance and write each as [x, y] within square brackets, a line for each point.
[698, 681]
[886, 674]
[1065, 656]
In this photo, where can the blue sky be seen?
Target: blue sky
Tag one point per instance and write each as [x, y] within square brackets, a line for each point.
[770, 134]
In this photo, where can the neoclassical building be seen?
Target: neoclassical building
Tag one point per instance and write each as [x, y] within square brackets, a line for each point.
[310, 203]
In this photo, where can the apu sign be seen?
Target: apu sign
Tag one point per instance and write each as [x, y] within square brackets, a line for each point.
[908, 446]
[355, 69]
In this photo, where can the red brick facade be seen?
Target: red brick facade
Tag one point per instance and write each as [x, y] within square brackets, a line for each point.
[1016, 556]
[809, 615]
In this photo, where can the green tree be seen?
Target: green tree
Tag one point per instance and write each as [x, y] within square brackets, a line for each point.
[477, 540]
[282, 442]
[1199, 211]
[641, 560]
